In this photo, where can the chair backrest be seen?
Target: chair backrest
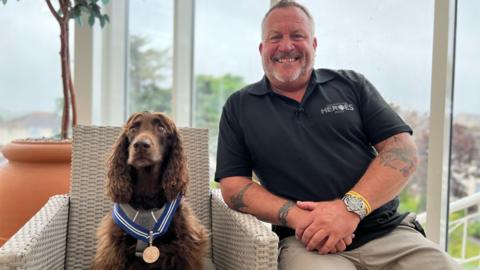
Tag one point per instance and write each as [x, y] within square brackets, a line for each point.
[88, 204]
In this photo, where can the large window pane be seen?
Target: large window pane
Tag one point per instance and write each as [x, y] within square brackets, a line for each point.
[390, 42]
[464, 224]
[30, 81]
[150, 51]
[226, 56]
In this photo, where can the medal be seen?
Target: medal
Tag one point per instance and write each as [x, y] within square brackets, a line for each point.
[151, 254]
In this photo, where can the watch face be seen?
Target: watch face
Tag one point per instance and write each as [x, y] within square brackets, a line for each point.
[355, 205]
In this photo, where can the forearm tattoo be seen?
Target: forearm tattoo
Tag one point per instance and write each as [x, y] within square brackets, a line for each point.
[283, 212]
[237, 200]
[398, 157]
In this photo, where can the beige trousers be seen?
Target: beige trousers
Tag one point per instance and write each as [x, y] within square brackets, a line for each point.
[402, 249]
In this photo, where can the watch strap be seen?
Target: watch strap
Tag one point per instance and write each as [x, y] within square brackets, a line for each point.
[357, 204]
[365, 201]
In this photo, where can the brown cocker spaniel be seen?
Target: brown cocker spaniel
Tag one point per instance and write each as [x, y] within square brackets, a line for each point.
[147, 170]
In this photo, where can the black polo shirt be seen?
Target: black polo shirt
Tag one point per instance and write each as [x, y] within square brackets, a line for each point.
[315, 150]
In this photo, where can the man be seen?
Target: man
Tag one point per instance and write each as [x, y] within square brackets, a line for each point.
[331, 157]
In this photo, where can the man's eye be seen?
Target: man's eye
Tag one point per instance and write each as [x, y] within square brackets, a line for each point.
[275, 38]
[297, 37]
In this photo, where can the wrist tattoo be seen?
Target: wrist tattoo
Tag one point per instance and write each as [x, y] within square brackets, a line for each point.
[237, 200]
[283, 212]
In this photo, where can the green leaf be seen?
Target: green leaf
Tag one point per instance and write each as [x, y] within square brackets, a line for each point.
[4, 1]
[91, 20]
[102, 21]
[104, 2]
[75, 13]
[95, 10]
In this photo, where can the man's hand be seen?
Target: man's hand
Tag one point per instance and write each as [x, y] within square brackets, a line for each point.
[328, 228]
[297, 214]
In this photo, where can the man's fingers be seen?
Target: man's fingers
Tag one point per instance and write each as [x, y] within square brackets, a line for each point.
[301, 228]
[307, 205]
[307, 235]
[329, 245]
[316, 240]
[333, 251]
[347, 240]
[341, 245]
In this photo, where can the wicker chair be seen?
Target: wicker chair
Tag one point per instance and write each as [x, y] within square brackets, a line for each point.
[62, 234]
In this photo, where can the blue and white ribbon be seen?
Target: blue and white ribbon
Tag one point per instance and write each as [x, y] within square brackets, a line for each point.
[140, 232]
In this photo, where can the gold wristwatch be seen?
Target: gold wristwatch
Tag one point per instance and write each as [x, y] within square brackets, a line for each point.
[356, 205]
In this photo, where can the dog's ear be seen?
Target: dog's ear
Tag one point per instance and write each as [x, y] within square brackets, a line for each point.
[175, 176]
[118, 184]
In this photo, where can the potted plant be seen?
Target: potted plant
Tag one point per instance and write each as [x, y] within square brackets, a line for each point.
[21, 180]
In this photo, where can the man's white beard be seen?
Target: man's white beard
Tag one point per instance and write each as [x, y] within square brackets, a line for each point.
[285, 79]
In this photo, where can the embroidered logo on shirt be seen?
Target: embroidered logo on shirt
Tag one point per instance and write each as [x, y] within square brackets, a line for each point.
[337, 108]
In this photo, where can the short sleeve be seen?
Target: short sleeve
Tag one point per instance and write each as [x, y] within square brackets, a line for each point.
[233, 157]
[379, 119]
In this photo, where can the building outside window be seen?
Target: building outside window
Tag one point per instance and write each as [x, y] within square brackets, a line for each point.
[464, 221]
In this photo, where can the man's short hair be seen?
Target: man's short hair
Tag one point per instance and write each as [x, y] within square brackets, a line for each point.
[287, 4]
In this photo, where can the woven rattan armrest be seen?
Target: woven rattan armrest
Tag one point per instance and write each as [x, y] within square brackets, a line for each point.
[40, 243]
[241, 241]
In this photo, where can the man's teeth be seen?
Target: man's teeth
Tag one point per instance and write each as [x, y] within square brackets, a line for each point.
[284, 60]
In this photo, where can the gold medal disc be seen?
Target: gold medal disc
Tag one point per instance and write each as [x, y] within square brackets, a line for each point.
[151, 254]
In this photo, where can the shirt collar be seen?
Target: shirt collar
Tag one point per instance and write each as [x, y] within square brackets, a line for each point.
[263, 87]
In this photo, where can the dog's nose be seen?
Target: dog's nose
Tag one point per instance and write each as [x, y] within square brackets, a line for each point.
[141, 145]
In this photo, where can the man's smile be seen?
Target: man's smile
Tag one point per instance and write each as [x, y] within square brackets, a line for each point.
[285, 60]
[286, 57]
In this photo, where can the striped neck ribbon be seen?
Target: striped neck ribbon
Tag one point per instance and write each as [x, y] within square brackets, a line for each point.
[139, 232]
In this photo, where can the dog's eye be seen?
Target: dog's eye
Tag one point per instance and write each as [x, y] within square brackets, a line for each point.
[161, 129]
[132, 129]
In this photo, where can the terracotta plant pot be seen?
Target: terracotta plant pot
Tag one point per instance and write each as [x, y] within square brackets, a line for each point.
[35, 171]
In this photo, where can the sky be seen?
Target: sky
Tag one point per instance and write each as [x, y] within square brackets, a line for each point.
[390, 42]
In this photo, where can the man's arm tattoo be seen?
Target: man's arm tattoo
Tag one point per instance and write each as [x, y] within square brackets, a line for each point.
[399, 157]
[237, 200]
[283, 212]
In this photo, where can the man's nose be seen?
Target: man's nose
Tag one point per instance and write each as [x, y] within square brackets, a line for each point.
[286, 44]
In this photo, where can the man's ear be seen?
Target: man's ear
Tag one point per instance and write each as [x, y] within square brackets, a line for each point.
[260, 47]
[315, 43]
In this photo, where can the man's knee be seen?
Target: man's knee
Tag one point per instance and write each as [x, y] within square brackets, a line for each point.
[430, 254]
[425, 257]
[405, 248]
